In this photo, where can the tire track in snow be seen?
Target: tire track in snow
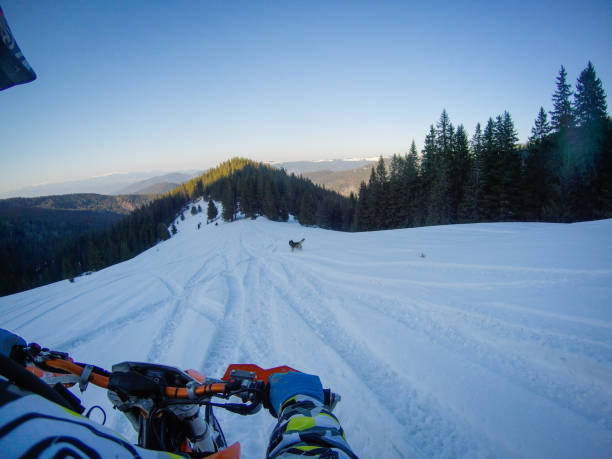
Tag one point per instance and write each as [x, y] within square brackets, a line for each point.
[227, 343]
[476, 338]
[426, 429]
[177, 306]
[260, 310]
[226, 339]
[63, 303]
[137, 315]
[19, 310]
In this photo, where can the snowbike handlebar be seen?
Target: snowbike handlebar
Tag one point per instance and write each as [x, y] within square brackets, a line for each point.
[247, 381]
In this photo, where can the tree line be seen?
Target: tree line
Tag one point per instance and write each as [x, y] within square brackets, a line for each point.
[562, 174]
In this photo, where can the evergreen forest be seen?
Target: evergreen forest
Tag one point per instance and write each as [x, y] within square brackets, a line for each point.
[562, 174]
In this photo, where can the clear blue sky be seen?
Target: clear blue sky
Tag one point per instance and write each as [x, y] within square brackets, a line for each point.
[142, 85]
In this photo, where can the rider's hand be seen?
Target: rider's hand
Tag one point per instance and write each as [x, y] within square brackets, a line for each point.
[8, 340]
[283, 386]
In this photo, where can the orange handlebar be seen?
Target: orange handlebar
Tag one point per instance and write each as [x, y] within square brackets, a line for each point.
[75, 369]
[179, 392]
[102, 381]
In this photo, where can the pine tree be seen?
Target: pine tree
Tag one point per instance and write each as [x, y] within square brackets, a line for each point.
[471, 199]
[590, 98]
[269, 205]
[490, 174]
[510, 168]
[396, 205]
[67, 268]
[541, 128]
[308, 209]
[361, 219]
[162, 232]
[412, 188]
[444, 133]
[562, 116]
[589, 145]
[436, 163]
[229, 202]
[94, 257]
[379, 188]
[212, 210]
[459, 171]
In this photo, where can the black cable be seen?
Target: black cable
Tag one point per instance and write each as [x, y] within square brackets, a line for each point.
[100, 408]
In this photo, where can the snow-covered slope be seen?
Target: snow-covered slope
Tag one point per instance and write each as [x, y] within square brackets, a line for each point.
[498, 342]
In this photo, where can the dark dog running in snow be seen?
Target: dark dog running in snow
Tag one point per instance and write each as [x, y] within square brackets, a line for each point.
[296, 245]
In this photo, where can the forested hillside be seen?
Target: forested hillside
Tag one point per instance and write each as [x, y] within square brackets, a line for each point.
[243, 186]
[121, 204]
[32, 229]
[343, 182]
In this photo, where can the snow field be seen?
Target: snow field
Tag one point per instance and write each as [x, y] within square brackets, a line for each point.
[497, 343]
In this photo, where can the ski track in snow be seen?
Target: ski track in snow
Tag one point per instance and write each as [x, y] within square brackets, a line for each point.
[498, 343]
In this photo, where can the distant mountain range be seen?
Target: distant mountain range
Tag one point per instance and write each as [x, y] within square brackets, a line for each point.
[331, 165]
[153, 182]
[158, 184]
[340, 175]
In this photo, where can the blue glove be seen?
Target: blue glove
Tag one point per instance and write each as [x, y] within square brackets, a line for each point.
[283, 386]
[8, 340]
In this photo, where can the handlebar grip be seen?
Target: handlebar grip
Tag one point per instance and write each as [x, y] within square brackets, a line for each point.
[330, 399]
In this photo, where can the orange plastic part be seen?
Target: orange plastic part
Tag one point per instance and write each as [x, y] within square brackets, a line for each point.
[231, 452]
[199, 377]
[260, 373]
[42, 374]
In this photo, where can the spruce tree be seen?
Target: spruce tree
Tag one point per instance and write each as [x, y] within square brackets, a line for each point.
[269, 205]
[212, 210]
[412, 190]
[541, 128]
[510, 168]
[471, 208]
[590, 98]
[361, 220]
[162, 232]
[459, 170]
[490, 174]
[308, 209]
[380, 194]
[229, 202]
[396, 204]
[436, 169]
[562, 116]
[444, 133]
[589, 144]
